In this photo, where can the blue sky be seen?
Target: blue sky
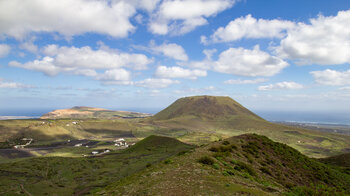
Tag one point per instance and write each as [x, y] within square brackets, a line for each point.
[142, 55]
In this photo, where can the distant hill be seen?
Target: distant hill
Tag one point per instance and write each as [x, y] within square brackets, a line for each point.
[82, 112]
[205, 112]
[242, 165]
[205, 108]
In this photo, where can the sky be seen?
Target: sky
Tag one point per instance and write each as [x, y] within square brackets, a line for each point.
[273, 55]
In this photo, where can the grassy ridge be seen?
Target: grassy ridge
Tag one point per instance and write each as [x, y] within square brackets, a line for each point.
[242, 165]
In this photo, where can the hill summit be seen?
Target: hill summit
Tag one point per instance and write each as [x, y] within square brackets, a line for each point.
[205, 108]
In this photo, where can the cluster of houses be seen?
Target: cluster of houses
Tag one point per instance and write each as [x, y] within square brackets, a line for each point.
[74, 123]
[29, 141]
[101, 152]
[121, 143]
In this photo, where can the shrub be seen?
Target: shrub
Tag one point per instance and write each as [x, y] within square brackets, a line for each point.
[229, 173]
[167, 161]
[221, 154]
[265, 170]
[233, 146]
[206, 160]
[182, 152]
[244, 167]
[225, 149]
[148, 165]
[216, 166]
[214, 149]
[225, 142]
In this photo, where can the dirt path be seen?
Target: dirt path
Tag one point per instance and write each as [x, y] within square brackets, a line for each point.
[25, 191]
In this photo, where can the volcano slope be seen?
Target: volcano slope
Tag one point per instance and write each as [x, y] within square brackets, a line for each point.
[201, 119]
[248, 164]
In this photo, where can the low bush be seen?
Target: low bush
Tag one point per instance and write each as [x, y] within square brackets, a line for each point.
[206, 160]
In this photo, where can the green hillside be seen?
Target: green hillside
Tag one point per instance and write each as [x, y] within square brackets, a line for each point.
[77, 176]
[243, 165]
[342, 161]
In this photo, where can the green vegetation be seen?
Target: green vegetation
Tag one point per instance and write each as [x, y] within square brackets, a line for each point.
[206, 160]
[68, 176]
[274, 168]
[230, 158]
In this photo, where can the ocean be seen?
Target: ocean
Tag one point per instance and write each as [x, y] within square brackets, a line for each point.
[307, 117]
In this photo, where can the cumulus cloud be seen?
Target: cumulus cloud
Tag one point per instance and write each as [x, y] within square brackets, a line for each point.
[4, 50]
[178, 72]
[245, 62]
[29, 46]
[170, 50]
[281, 85]
[156, 83]
[147, 5]
[182, 16]
[239, 81]
[115, 75]
[325, 41]
[17, 18]
[83, 60]
[332, 77]
[14, 85]
[249, 27]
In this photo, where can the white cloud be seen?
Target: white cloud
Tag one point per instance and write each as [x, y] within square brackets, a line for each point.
[196, 91]
[332, 77]
[115, 75]
[346, 88]
[156, 83]
[325, 41]
[29, 46]
[170, 50]
[182, 16]
[178, 72]
[4, 84]
[249, 27]
[245, 62]
[148, 5]
[4, 50]
[239, 81]
[209, 53]
[19, 18]
[83, 60]
[281, 85]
